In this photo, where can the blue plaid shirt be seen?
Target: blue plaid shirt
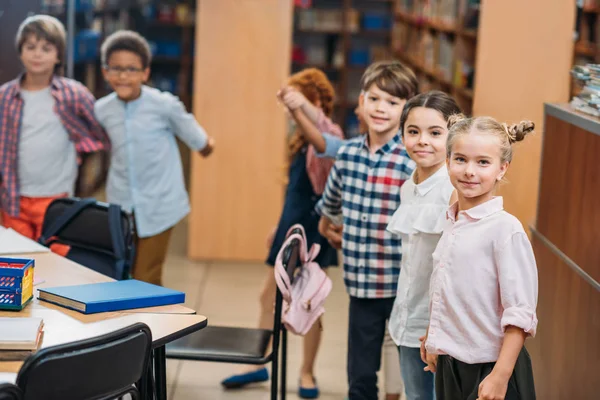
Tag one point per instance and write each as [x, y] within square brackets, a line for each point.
[365, 189]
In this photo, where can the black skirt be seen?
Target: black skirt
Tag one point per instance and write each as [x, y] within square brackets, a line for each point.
[456, 380]
[299, 208]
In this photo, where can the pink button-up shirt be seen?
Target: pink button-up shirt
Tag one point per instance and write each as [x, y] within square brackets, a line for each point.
[484, 279]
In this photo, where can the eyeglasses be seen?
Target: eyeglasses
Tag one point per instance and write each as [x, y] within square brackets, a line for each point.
[116, 71]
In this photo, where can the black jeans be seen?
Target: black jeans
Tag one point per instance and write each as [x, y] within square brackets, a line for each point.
[365, 338]
[456, 380]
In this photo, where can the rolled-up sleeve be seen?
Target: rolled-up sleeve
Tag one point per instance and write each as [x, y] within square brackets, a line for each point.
[332, 146]
[518, 278]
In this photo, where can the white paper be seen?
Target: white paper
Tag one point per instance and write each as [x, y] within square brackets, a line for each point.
[12, 242]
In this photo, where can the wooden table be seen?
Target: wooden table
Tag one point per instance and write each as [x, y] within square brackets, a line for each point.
[62, 325]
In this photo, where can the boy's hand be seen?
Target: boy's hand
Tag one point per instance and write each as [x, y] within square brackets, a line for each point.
[493, 387]
[324, 224]
[334, 236]
[208, 149]
[331, 232]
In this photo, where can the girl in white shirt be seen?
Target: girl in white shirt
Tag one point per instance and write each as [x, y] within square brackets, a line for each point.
[484, 284]
[419, 221]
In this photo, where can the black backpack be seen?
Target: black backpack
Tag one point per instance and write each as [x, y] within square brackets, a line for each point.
[100, 235]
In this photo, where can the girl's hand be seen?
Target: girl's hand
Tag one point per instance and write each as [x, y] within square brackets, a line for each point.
[493, 387]
[281, 92]
[431, 361]
[208, 149]
[293, 99]
[423, 339]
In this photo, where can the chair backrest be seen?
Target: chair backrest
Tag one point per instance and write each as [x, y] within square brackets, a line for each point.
[100, 235]
[8, 391]
[98, 368]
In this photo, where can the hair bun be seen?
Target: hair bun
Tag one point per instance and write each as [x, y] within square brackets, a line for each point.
[455, 119]
[517, 132]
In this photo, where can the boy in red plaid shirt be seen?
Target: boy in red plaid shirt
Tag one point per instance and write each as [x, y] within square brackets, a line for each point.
[46, 123]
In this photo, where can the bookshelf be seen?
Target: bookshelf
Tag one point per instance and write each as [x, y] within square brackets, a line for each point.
[586, 29]
[438, 39]
[342, 37]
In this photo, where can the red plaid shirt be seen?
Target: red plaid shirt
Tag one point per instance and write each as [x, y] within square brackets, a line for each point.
[74, 106]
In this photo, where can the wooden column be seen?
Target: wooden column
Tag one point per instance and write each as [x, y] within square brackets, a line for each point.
[524, 56]
[242, 58]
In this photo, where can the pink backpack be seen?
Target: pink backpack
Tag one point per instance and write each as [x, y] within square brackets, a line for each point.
[302, 300]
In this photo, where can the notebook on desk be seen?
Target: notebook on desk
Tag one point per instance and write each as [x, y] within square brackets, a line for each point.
[20, 334]
[111, 296]
[12, 242]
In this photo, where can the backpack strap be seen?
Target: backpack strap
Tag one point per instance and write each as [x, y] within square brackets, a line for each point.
[64, 219]
[313, 253]
[281, 275]
[305, 256]
[118, 240]
[298, 229]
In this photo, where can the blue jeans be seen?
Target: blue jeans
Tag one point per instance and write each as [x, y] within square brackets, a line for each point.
[418, 384]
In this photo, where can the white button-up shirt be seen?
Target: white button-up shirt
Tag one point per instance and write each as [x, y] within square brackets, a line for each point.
[484, 279]
[419, 221]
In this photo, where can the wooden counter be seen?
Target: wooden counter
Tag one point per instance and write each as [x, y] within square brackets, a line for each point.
[566, 241]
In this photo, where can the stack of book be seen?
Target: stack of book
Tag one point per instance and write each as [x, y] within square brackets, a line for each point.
[19, 337]
[588, 99]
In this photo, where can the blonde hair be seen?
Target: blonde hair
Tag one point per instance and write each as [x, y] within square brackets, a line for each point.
[47, 28]
[459, 125]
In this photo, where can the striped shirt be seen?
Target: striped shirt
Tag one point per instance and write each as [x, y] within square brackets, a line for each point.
[365, 189]
[75, 108]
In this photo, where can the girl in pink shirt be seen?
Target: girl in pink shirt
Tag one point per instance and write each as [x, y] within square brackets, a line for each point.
[484, 286]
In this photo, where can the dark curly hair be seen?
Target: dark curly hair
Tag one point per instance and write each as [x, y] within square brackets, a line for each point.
[129, 41]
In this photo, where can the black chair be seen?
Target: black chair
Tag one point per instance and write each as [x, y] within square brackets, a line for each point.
[100, 235]
[104, 367]
[243, 345]
[8, 391]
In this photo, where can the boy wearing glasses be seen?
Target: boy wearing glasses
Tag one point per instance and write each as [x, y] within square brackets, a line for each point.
[46, 123]
[145, 175]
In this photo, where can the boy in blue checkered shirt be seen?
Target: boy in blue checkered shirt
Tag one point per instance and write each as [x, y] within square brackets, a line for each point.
[363, 191]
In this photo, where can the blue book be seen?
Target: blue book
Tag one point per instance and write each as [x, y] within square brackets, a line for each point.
[111, 296]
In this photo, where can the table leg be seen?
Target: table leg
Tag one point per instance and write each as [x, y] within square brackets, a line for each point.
[160, 373]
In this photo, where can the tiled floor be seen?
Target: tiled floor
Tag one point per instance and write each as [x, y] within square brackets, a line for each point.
[228, 295]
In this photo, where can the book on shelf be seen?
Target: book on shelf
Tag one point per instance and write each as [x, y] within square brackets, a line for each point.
[588, 79]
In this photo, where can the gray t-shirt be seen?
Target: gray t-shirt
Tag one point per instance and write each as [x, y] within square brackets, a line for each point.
[47, 157]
